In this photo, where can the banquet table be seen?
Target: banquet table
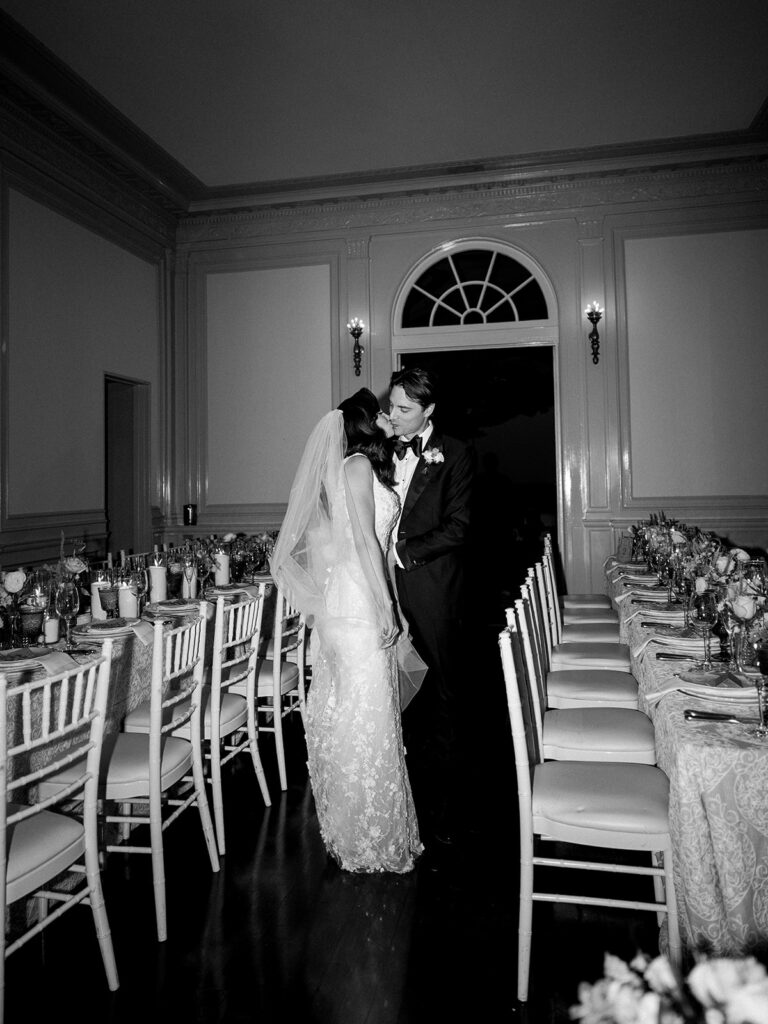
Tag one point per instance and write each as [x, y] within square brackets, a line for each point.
[718, 775]
[131, 671]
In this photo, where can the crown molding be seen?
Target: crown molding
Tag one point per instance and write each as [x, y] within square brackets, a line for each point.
[37, 86]
[591, 190]
[49, 93]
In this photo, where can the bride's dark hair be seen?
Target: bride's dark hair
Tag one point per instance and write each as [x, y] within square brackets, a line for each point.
[364, 435]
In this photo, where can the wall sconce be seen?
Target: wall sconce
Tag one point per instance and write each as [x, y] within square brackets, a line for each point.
[356, 328]
[594, 314]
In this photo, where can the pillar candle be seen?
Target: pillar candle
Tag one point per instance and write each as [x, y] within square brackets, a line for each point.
[127, 601]
[157, 583]
[97, 612]
[221, 575]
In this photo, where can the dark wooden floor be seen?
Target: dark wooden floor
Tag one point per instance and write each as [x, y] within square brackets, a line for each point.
[282, 934]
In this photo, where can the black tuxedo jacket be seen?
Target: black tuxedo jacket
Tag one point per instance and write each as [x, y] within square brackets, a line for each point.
[433, 529]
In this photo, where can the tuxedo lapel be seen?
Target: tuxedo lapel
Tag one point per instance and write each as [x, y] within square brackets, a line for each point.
[422, 473]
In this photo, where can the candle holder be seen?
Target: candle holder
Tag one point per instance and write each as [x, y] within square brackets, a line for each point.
[356, 328]
[594, 314]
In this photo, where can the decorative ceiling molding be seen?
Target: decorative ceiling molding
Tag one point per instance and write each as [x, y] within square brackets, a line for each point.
[709, 181]
[68, 169]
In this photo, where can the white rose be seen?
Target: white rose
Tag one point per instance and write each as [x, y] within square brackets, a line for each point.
[723, 564]
[14, 581]
[744, 607]
[700, 584]
[74, 565]
[739, 554]
[660, 976]
[713, 982]
[229, 537]
[748, 1005]
[677, 537]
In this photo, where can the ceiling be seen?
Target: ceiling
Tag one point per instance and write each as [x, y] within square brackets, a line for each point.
[248, 92]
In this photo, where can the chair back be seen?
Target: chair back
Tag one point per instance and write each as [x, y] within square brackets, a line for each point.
[177, 676]
[538, 631]
[550, 584]
[289, 632]
[532, 659]
[236, 637]
[524, 735]
[47, 725]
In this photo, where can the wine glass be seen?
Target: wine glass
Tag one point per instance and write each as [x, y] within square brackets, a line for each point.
[138, 582]
[703, 616]
[108, 596]
[761, 652]
[67, 604]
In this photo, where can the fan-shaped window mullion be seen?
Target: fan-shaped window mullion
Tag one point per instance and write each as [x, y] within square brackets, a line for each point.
[479, 295]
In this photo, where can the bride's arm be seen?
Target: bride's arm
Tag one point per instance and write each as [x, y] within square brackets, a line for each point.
[358, 476]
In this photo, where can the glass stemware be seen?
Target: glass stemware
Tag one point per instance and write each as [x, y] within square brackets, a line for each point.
[703, 616]
[67, 604]
[761, 651]
[108, 596]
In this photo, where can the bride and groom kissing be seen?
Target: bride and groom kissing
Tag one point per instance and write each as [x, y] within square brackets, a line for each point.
[371, 551]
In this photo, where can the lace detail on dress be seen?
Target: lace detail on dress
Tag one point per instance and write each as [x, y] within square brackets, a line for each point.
[354, 734]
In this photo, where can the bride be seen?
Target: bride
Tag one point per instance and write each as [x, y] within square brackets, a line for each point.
[330, 558]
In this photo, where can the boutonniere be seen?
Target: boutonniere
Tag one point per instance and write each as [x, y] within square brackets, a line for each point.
[432, 457]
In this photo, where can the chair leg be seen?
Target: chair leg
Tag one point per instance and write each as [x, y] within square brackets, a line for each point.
[253, 746]
[202, 807]
[100, 919]
[158, 873]
[218, 802]
[280, 746]
[525, 922]
[673, 925]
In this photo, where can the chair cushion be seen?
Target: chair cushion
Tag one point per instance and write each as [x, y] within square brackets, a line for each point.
[124, 773]
[591, 632]
[599, 734]
[568, 688]
[586, 601]
[39, 848]
[289, 678]
[591, 655]
[613, 798]
[234, 712]
[580, 616]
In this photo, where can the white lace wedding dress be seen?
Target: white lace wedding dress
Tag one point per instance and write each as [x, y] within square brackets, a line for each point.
[354, 736]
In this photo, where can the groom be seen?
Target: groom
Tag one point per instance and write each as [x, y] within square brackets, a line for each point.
[433, 476]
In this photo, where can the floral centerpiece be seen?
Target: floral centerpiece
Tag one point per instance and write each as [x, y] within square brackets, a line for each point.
[650, 991]
[12, 583]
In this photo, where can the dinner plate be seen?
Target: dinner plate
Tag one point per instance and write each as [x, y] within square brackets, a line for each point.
[702, 684]
[109, 625]
[103, 630]
[175, 604]
[19, 655]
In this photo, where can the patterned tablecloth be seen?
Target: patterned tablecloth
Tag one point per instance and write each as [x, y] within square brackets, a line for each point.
[718, 776]
[131, 663]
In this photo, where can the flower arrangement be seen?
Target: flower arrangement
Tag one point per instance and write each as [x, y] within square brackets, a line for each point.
[650, 991]
[68, 566]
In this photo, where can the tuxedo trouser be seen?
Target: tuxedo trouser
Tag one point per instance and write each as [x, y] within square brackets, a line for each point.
[430, 720]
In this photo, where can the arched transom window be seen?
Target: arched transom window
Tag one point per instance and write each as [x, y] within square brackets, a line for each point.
[474, 286]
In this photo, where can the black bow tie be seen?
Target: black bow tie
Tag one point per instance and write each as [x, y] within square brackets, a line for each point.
[401, 447]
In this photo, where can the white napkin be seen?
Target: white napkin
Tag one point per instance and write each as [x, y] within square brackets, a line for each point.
[144, 631]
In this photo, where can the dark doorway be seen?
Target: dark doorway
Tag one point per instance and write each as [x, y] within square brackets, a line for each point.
[503, 402]
[126, 475]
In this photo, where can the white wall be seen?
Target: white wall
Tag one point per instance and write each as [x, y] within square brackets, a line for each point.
[268, 355]
[79, 307]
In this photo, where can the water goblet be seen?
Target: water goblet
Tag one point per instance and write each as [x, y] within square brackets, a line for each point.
[761, 652]
[108, 595]
[67, 604]
[30, 623]
[703, 616]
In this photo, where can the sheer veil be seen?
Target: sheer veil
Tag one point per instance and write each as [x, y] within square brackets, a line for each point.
[317, 538]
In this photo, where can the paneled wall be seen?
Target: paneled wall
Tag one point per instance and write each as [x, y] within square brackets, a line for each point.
[670, 417]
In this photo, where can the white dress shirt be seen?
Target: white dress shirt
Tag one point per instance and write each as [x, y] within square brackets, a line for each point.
[404, 470]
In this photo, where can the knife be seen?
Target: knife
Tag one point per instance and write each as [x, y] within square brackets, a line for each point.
[694, 715]
[672, 656]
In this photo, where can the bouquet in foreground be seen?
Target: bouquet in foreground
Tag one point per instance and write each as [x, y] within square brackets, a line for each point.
[649, 991]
